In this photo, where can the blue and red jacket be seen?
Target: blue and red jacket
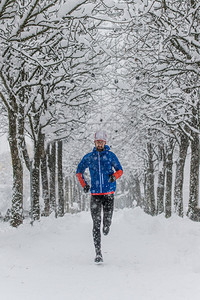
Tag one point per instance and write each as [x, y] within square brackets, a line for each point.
[101, 165]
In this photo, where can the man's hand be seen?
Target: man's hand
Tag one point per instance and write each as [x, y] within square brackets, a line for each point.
[86, 188]
[112, 178]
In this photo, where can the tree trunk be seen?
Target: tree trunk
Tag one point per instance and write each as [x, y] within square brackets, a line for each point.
[179, 177]
[194, 175]
[17, 196]
[60, 181]
[38, 147]
[45, 182]
[150, 197]
[36, 189]
[160, 191]
[168, 194]
[161, 181]
[52, 170]
[137, 191]
[67, 194]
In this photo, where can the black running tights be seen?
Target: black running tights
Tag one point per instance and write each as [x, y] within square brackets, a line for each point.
[97, 203]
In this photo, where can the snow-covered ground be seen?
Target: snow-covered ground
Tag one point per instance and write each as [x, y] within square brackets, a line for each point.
[145, 258]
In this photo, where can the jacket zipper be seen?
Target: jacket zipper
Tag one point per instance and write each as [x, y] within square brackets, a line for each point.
[100, 172]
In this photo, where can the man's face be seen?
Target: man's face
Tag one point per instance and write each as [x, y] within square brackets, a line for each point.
[99, 145]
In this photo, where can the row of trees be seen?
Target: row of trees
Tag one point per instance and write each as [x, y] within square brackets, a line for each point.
[48, 57]
[58, 56]
[159, 68]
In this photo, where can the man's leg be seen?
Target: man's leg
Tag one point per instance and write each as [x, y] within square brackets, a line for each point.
[95, 208]
[108, 206]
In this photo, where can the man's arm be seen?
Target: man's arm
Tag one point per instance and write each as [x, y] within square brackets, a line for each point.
[118, 173]
[81, 179]
[84, 185]
[117, 166]
[80, 171]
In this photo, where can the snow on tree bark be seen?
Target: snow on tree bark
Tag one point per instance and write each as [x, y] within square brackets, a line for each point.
[67, 195]
[45, 186]
[149, 190]
[52, 171]
[45, 181]
[161, 180]
[168, 192]
[179, 176]
[38, 148]
[137, 190]
[17, 197]
[36, 189]
[60, 179]
[194, 176]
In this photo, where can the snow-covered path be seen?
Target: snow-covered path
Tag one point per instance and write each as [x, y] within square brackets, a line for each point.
[144, 258]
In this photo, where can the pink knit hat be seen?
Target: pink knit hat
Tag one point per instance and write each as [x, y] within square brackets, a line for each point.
[100, 136]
